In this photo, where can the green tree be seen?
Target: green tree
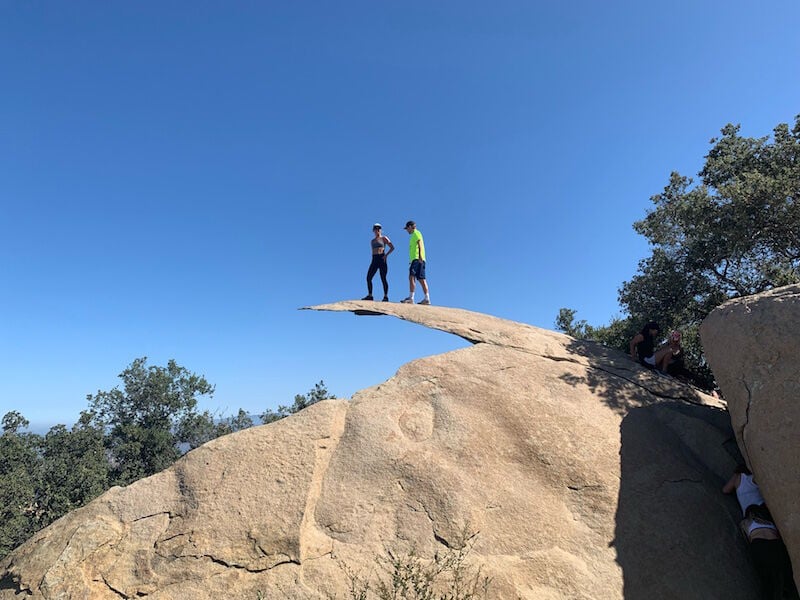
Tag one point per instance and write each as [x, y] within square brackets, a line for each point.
[142, 420]
[19, 465]
[617, 334]
[237, 422]
[74, 469]
[735, 233]
[198, 428]
[301, 401]
[565, 321]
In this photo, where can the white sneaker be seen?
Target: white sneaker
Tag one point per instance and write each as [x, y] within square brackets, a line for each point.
[409, 300]
[424, 301]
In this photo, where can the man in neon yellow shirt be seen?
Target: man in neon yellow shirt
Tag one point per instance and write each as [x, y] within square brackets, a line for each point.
[416, 255]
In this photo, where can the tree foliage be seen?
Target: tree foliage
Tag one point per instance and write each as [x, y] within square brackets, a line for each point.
[142, 420]
[616, 334]
[19, 456]
[125, 434]
[565, 321]
[301, 401]
[198, 428]
[44, 477]
[734, 233]
[74, 469]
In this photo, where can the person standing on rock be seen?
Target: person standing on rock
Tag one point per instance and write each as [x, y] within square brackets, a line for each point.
[379, 261]
[416, 256]
[771, 560]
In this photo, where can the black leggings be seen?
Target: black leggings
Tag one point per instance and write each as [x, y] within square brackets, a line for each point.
[378, 264]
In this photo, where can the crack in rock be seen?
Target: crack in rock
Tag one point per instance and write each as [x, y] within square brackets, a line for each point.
[157, 514]
[441, 540]
[746, 418]
[680, 480]
[218, 561]
[580, 488]
[113, 589]
[560, 358]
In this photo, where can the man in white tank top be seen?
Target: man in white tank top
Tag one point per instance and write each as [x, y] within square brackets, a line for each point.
[769, 554]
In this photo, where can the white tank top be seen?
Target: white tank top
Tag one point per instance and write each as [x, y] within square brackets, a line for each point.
[748, 493]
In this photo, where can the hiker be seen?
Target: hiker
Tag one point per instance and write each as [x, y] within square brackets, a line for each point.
[671, 353]
[769, 553]
[416, 271]
[379, 262]
[643, 346]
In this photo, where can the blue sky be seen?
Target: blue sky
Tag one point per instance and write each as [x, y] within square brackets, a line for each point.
[178, 178]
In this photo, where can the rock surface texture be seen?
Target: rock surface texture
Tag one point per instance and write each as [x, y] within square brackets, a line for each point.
[753, 346]
[584, 475]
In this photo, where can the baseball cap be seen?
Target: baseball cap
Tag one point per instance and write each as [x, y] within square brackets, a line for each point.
[377, 226]
[409, 224]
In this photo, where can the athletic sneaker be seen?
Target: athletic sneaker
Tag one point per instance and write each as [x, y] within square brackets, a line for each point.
[424, 301]
[386, 298]
[408, 300]
[368, 297]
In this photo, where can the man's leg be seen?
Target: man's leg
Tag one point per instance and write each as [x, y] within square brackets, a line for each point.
[411, 286]
[423, 281]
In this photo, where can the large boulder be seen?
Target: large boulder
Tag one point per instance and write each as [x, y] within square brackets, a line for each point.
[583, 475]
[753, 346]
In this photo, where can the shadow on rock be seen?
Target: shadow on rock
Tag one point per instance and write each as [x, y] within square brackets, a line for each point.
[622, 383]
[676, 534]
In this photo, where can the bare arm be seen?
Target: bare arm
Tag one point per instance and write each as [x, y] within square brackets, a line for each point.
[636, 339]
[732, 484]
[390, 244]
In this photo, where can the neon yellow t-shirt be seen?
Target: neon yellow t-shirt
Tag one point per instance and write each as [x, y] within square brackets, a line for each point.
[415, 253]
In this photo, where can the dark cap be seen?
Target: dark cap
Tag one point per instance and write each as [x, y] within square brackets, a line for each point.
[409, 224]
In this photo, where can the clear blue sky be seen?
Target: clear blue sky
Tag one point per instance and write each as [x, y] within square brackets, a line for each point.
[177, 178]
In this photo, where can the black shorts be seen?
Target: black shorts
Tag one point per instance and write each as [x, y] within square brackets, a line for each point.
[417, 269]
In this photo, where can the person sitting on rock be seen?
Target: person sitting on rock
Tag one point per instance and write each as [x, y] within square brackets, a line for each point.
[769, 554]
[643, 347]
[671, 353]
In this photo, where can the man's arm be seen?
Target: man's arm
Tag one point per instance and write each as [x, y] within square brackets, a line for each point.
[732, 484]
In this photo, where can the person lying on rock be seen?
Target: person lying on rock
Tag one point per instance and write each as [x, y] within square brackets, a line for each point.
[769, 554]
